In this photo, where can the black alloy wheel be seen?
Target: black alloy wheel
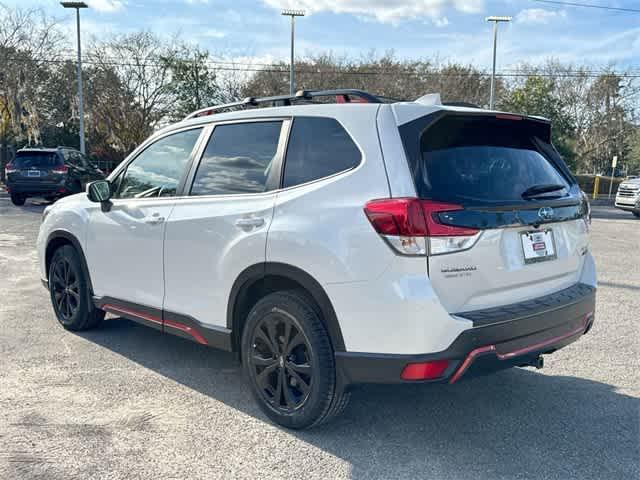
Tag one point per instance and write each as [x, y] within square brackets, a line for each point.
[70, 291]
[65, 289]
[281, 362]
[289, 361]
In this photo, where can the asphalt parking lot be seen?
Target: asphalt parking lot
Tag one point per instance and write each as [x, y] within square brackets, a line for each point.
[125, 402]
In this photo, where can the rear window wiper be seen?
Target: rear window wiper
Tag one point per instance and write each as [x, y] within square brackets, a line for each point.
[536, 190]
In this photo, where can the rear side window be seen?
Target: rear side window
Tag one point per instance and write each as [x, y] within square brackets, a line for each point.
[238, 159]
[36, 159]
[483, 159]
[318, 147]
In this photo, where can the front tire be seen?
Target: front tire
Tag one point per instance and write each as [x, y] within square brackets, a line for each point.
[18, 200]
[289, 362]
[69, 291]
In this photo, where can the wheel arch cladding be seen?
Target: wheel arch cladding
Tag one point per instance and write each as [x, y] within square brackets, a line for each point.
[59, 238]
[261, 279]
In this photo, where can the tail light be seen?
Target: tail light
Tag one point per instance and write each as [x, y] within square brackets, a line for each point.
[9, 168]
[60, 169]
[411, 226]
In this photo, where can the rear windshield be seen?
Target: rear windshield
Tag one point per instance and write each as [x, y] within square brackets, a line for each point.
[36, 159]
[485, 159]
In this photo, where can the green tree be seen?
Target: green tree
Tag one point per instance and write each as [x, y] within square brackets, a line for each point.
[193, 82]
[537, 96]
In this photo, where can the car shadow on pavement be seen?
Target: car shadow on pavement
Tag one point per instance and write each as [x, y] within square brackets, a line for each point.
[514, 424]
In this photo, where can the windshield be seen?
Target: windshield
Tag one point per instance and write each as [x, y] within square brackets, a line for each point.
[36, 159]
[466, 159]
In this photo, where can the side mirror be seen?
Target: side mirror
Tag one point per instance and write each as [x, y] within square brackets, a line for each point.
[100, 192]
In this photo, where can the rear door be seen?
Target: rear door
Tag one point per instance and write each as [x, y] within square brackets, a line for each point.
[500, 177]
[220, 228]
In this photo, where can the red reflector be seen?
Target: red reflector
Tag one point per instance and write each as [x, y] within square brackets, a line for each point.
[506, 116]
[60, 169]
[425, 371]
[411, 217]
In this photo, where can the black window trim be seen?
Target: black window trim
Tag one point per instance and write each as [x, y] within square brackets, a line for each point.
[335, 174]
[283, 140]
[124, 165]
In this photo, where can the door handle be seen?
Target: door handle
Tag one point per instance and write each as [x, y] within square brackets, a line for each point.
[155, 219]
[250, 222]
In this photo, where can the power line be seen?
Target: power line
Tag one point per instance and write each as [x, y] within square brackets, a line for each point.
[589, 5]
[283, 68]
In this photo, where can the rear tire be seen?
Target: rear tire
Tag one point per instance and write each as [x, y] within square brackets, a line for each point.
[289, 362]
[637, 214]
[18, 200]
[69, 292]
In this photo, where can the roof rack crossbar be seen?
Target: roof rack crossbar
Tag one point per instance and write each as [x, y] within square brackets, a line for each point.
[284, 100]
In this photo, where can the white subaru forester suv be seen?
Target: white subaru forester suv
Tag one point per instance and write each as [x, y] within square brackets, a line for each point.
[332, 244]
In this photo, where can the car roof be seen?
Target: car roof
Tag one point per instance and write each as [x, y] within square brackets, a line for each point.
[404, 112]
[44, 149]
[37, 149]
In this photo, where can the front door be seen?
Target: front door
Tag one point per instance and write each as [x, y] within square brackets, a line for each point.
[125, 244]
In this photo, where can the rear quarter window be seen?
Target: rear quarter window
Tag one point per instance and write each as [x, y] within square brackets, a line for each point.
[318, 148]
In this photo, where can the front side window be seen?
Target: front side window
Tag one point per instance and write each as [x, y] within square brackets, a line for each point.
[318, 147]
[238, 159]
[157, 171]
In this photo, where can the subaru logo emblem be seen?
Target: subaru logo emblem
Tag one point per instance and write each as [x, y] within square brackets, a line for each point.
[545, 213]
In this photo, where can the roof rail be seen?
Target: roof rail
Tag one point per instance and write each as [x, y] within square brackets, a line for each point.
[342, 96]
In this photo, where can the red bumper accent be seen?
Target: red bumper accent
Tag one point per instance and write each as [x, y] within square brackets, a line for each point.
[464, 366]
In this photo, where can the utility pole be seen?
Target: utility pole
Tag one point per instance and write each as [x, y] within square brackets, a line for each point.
[292, 75]
[78, 6]
[495, 21]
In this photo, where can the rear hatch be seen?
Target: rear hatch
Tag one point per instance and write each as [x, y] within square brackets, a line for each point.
[514, 217]
[36, 167]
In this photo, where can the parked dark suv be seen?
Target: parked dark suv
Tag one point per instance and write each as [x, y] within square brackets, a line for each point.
[48, 172]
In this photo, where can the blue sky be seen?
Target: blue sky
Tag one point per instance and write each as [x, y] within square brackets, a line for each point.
[450, 30]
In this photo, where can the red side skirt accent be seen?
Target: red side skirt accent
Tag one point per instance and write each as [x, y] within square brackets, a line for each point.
[191, 331]
[150, 318]
[133, 313]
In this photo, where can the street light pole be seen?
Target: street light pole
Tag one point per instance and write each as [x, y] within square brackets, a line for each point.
[495, 21]
[292, 75]
[78, 6]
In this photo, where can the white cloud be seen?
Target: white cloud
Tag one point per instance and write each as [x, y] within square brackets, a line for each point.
[384, 11]
[214, 33]
[441, 22]
[539, 16]
[107, 6]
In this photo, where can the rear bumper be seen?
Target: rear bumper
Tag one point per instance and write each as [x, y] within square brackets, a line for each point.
[36, 188]
[500, 338]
